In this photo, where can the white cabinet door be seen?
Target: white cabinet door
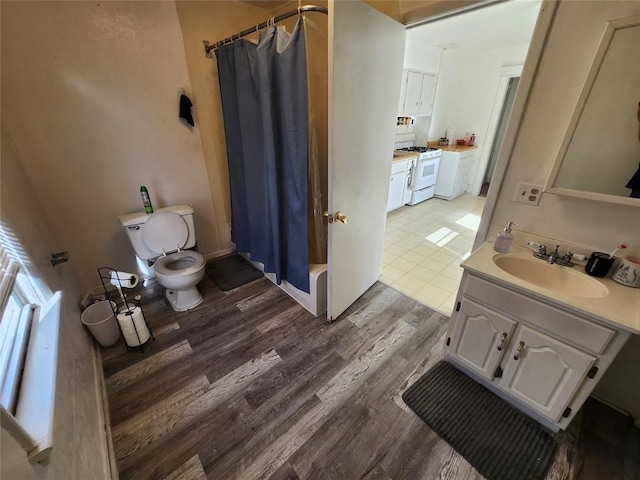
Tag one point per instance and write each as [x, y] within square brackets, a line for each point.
[479, 337]
[447, 175]
[427, 94]
[460, 182]
[403, 92]
[543, 372]
[412, 94]
[396, 191]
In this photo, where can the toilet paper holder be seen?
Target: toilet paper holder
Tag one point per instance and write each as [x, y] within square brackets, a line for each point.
[124, 280]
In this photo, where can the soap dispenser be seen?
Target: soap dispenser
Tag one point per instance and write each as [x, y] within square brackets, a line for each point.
[504, 239]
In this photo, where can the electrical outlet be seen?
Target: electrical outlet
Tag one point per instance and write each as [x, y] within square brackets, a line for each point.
[528, 193]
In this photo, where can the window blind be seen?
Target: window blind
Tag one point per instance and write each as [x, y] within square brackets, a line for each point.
[8, 273]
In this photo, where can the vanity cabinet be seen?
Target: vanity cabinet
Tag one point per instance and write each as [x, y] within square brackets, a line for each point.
[543, 372]
[417, 92]
[543, 359]
[478, 337]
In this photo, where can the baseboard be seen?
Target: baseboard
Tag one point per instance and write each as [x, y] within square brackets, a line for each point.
[219, 253]
[103, 412]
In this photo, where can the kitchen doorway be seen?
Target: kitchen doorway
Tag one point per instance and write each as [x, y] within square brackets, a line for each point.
[424, 246]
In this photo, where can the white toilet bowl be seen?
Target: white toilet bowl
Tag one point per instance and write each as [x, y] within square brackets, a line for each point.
[179, 273]
[163, 239]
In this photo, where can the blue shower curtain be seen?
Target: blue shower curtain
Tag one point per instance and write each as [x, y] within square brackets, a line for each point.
[264, 102]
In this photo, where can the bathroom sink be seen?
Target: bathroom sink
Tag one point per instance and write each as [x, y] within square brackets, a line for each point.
[565, 280]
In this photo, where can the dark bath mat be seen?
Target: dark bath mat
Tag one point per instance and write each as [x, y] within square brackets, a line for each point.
[500, 442]
[231, 271]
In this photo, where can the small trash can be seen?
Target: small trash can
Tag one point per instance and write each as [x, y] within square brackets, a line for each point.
[100, 321]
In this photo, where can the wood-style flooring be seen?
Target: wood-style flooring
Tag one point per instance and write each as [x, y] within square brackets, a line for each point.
[249, 385]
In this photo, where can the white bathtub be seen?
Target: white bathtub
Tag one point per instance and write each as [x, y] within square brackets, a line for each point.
[316, 300]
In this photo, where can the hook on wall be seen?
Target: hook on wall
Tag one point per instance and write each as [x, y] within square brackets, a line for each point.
[59, 257]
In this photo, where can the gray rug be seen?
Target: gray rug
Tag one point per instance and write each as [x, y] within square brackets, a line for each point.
[500, 442]
[231, 271]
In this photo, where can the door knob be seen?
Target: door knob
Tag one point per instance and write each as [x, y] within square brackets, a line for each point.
[338, 217]
[341, 217]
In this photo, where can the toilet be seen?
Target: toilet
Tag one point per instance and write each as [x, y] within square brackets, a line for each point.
[162, 239]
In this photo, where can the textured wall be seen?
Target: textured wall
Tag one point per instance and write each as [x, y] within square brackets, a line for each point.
[89, 95]
[79, 441]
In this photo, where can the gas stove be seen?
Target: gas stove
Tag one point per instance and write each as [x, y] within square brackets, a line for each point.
[416, 149]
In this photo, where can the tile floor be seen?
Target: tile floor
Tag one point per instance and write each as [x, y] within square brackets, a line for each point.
[424, 245]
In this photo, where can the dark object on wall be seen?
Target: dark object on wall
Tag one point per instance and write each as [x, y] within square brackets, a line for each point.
[500, 442]
[185, 109]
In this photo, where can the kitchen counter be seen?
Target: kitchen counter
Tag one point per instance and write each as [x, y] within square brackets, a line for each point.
[620, 307]
[452, 148]
[398, 156]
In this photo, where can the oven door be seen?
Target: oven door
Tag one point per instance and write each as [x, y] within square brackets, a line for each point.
[426, 173]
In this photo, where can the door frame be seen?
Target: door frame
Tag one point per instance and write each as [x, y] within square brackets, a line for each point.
[506, 74]
[541, 31]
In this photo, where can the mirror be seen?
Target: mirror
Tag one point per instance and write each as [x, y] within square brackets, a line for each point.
[600, 152]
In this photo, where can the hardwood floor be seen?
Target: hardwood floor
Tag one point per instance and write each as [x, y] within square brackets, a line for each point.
[249, 385]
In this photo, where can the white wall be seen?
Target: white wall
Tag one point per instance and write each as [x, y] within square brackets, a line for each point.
[79, 439]
[421, 57]
[467, 86]
[573, 40]
[89, 95]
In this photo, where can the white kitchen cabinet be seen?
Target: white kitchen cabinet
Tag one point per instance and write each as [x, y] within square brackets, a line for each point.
[416, 93]
[427, 94]
[542, 359]
[397, 185]
[453, 173]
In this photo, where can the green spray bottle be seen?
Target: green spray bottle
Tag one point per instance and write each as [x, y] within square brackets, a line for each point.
[146, 201]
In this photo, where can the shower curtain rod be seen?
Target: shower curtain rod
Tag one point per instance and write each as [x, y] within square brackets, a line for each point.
[299, 11]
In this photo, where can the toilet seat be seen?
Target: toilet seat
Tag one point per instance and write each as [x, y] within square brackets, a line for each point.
[179, 264]
[165, 232]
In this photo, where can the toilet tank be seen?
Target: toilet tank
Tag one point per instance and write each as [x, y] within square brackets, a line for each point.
[133, 223]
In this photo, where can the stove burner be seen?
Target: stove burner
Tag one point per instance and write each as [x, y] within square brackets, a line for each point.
[417, 149]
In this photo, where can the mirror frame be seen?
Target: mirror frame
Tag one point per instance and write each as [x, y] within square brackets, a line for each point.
[605, 43]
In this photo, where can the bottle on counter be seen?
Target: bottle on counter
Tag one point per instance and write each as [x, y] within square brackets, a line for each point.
[146, 201]
[504, 239]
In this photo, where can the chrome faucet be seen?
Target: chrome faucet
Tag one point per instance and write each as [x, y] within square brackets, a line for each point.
[554, 257]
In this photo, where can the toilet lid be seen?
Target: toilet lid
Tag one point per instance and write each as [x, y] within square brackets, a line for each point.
[164, 231]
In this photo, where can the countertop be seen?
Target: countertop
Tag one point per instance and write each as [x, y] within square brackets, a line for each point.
[404, 156]
[452, 148]
[620, 308]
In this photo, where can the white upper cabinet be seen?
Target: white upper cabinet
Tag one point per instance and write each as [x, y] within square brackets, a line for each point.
[427, 94]
[416, 93]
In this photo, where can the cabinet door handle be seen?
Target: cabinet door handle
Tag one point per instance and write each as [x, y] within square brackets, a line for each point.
[520, 348]
[502, 340]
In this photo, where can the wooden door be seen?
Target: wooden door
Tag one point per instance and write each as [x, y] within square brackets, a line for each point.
[366, 51]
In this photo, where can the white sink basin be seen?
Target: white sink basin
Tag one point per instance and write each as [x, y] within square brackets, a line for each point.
[564, 280]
